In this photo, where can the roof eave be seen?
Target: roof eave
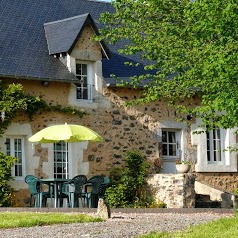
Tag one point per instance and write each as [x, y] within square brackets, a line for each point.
[39, 79]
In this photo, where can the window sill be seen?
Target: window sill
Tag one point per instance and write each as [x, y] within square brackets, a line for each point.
[85, 100]
[19, 178]
[215, 168]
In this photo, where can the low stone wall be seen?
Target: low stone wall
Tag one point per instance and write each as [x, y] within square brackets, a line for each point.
[176, 190]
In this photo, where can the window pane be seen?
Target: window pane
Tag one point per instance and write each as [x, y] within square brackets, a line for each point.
[18, 170]
[217, 145]
[8, 147]
[208, 156]
[78, 69]
[8, 144]
[172, 137]
[172, 150]
[218, 157]
[82, 93]
[84, 69]
[164, 139]
[165, 149]
[216, 134]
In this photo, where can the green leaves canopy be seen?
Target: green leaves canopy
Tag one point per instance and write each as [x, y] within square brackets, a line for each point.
[192, 46]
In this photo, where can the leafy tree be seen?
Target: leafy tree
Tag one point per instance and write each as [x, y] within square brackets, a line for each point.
[192, 47]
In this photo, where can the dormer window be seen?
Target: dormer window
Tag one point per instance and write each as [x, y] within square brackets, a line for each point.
[85, 86]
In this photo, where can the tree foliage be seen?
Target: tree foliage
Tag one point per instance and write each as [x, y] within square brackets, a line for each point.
[192, 47]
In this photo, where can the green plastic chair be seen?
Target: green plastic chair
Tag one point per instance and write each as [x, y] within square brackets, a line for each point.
[76, 185]
[99, 185]
[35, 188]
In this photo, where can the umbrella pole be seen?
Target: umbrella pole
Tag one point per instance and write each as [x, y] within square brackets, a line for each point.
[66, 159]
[66, 167]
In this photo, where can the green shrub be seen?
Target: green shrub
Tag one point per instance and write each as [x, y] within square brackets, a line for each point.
[6, 163]
[129, 183]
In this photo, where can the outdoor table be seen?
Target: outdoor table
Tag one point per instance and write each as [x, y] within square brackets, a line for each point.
[57, 184]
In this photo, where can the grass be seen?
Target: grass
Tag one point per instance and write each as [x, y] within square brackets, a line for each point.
[29, 219]
[224, 227]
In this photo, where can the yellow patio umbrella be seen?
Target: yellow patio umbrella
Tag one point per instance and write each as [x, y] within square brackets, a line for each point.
[67, 133]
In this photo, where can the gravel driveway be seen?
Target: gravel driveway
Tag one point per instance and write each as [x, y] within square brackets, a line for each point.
[120, 225]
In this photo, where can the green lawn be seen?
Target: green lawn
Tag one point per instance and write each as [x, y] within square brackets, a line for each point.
[222, 228]
[28, 219]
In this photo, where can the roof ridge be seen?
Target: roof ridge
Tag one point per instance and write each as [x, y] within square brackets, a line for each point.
[66, 19]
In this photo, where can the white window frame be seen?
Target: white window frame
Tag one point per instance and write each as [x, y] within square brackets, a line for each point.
[215, 146]
[12, 152]
[181, 136]
[59, 149]
[168, 143]
[199, 139]
[89, 85]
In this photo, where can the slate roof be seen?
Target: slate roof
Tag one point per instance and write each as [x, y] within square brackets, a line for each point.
[23, 45]
[62, 35]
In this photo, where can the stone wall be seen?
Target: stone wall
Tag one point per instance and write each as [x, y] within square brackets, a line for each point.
[223, 181]
[123, 129]
[176, 190]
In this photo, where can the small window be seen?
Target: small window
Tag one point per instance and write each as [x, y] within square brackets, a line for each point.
[170, 144]
[60, 163]
[171, 140]
[14, 147]
[214, 146]
[84, 88]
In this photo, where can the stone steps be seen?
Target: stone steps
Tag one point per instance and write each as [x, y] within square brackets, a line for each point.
[204, 201]
[210, 196]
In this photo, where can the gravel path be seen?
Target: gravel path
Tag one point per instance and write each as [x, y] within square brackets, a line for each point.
[120, 225]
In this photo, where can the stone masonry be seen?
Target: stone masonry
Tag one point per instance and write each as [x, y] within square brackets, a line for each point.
[176, 190]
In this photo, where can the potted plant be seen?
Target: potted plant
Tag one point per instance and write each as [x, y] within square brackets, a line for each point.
[183, 166]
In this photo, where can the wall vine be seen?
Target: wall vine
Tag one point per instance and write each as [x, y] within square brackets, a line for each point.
[13, 100]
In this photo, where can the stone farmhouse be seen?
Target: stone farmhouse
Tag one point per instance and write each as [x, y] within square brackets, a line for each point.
[47, 47]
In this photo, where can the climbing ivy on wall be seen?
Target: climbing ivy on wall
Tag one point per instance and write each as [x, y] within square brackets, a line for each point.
[6, 163]
[13, 100]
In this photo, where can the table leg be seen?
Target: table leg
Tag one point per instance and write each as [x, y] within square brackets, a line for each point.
[56, 194]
